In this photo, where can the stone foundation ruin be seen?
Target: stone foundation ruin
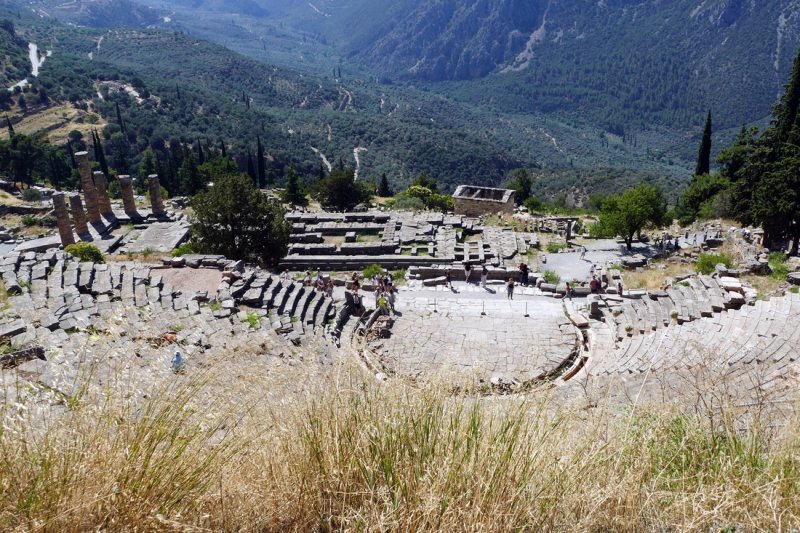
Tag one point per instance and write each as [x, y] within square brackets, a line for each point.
[473, 201]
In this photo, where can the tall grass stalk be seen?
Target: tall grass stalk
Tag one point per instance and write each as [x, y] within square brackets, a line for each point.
[390, 457]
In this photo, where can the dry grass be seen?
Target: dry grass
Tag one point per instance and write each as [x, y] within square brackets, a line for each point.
[653, 277]
[13, 221]
[9, 199]
[362, 456]
[3, 296]
[58, 120]
[765, 285]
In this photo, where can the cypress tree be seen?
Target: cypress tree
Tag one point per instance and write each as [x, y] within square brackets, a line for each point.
[260, 164]
[99, 154]
[383, 187]
[293, 194]
[222, 150]
[10, 127]
[191, 180]
[201, 157]
[71, 154]
[251, 170]
[119, 120]
[704, 155]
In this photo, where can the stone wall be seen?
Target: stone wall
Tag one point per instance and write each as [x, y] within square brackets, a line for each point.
[476, 201]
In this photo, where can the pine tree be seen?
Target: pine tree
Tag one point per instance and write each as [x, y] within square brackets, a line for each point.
[321, 172]
[704, 155]
[383, 187]
[786, 111]
[260, 164]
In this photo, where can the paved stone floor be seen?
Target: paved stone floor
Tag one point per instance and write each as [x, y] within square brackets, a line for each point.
[450, 339]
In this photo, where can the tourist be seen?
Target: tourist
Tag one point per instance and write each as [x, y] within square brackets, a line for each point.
[177, 362]
[390, 298]
[467, 271]
[594, 285]
[285, 276]
[329, 289]
[484, 275]
[449, 279]
[569, 291]
[619, 288]
[591, 270]
[583, 252]
[382, 302]
[523, 273]
[307, 279]
[510, 288]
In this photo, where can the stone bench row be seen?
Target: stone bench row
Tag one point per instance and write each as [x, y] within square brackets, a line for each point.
[640, 312]
[762, 336]
[290, 305]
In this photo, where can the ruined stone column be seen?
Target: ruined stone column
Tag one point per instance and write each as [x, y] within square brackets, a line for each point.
[62, 219]
[77, 214]
[89, 190]
[154, 186]
[128, 201]
[103, 201]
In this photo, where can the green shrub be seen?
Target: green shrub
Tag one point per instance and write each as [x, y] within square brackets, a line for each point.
[253, 320]
[551, 277]
[706, 263]
[32, 195]
[29, 220]
[555, 247]
[777, 265]
[183, 249]
[779, 271]
[794, 290]
[85, 252]
[371, 271]
[777, 258]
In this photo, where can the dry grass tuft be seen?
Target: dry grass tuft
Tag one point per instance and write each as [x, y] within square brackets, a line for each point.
[365, 456]
[654, 276]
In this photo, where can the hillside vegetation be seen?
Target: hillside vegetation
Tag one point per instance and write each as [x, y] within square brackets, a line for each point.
[201, 94]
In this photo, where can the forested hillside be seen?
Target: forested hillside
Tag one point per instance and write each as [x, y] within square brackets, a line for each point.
[163, 89]
[625, 67]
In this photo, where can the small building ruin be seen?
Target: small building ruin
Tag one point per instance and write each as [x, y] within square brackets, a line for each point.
[473, 201]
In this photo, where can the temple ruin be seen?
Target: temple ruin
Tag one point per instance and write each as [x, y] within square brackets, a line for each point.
[473, 201]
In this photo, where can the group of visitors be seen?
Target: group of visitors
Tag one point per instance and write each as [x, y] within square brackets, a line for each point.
[383, 285]
[319, 283]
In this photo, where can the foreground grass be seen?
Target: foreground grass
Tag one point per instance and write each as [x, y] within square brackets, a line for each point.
[390, 458]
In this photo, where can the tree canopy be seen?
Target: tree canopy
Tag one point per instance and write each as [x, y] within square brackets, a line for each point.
[340, 192]
[235, 219]
[629, 213]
